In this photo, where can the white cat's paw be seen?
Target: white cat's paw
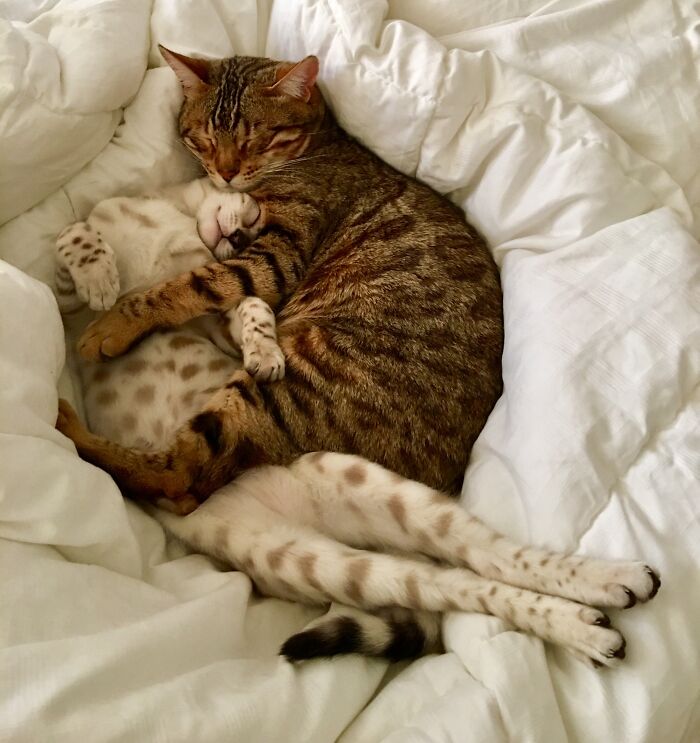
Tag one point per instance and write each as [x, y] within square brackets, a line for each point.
[207, 222]
[617, 584]
[264, 360]
[626, 583]
[586, 632]
[238, 211]
[603, 645]
[91, 264]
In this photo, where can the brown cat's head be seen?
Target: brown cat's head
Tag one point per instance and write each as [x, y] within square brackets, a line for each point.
[244, 117]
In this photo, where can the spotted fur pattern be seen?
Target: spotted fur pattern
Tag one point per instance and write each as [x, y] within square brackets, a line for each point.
[388, 303]
[334, 527]
[129, 242]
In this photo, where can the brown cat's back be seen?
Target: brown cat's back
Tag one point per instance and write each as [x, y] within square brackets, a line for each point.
[402, 303]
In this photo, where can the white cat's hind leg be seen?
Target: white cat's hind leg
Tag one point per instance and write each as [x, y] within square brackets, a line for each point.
[365, 505]
[292, 561]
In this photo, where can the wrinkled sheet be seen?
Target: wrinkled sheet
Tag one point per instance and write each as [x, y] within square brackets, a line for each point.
[569, 132]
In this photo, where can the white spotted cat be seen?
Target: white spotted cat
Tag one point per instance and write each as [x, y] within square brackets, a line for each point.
[330, 527]
[132, 243]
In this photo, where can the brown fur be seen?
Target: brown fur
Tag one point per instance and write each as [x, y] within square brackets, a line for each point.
[389, 303]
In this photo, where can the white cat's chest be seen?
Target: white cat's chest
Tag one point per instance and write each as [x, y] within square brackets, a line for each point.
[151, 238]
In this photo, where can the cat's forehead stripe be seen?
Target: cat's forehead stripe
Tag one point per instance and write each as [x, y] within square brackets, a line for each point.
[233, 82]
[225, 92]
[236, 77]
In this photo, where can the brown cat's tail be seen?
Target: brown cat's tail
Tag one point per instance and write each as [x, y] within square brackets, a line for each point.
[394, 633]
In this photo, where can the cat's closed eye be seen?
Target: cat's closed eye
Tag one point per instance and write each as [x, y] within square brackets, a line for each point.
[200, 144]
[283, 137]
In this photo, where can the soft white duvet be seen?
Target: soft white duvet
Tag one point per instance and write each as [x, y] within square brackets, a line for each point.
[570, 133]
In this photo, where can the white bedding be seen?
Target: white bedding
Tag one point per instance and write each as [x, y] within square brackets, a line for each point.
[570, 133]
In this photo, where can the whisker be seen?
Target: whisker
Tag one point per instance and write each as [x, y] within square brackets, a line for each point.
[277, 167]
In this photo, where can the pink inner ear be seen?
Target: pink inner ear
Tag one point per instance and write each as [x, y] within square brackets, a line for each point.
[299, 81]
[192, 73]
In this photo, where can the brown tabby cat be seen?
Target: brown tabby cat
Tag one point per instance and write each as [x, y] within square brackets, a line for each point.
[389, 303]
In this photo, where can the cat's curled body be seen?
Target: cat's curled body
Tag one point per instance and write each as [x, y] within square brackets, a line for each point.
[388, 303]
[393, 553]
[130, 243]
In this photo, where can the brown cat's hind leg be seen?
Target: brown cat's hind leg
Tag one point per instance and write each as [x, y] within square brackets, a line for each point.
[147, 474]
[233, 433]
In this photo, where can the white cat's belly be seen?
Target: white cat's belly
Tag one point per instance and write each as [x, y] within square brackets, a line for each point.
[141, 399]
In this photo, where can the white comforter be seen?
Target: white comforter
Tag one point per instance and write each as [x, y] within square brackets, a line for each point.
[570, 132]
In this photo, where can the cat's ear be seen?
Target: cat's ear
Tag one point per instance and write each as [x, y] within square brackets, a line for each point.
[192, 73]
[297, 80]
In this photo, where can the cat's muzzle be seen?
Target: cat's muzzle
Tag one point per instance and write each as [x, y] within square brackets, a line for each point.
[231, 245]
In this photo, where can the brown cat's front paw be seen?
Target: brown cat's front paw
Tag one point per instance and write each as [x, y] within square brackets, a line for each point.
[110, 335]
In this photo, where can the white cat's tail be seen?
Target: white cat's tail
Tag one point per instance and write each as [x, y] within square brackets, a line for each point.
[394, 633]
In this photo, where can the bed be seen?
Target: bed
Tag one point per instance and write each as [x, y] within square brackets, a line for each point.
[569, 131]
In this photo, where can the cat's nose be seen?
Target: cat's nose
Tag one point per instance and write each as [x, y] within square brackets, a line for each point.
[239, 239]
[228, 175]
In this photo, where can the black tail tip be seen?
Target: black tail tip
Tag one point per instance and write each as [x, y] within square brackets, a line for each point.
[342, 635]
[338, 636]
[408, 641]
[300, 647]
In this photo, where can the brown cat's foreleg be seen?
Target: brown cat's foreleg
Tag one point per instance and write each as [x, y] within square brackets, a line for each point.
[270, 268]
[147, 474]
